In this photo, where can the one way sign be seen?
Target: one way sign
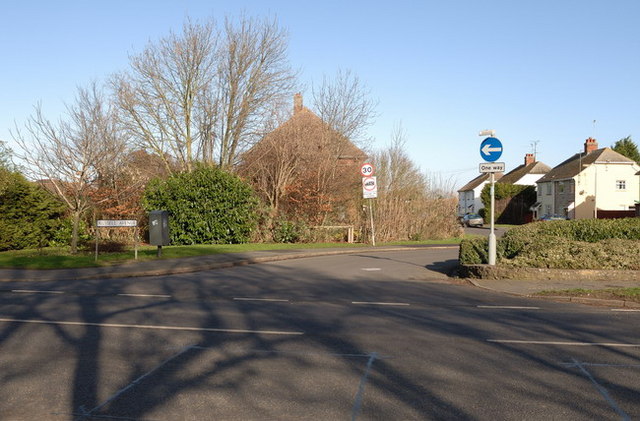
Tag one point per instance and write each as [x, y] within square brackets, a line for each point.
[491, 149]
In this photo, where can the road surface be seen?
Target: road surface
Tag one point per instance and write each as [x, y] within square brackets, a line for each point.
[370, 336]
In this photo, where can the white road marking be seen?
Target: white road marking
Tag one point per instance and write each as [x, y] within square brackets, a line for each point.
[34, 291]
[625, 310]
[145, 295]
[134, 383]
[371, 269]
[511, 307]
[601, 365]
[609, 344]
[277, 300]
[602, 391]
[156, 327]
[357, 404]
[373, 303]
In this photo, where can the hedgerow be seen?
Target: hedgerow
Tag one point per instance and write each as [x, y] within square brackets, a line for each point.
[575, 244]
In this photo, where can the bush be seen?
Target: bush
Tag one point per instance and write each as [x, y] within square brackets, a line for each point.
[474, 251]
[287, 232]
[206, 206]
[29, 215]
[575, 244]
[560, 253]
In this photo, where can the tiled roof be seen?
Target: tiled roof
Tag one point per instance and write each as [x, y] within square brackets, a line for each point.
[477, 181]
[574, 165]
[517, 173]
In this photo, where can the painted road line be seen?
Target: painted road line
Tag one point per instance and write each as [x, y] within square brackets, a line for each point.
[371, 269]
[562, 343]
[603, 391]
[601, 365]
[357, 404]
[626, 310]
[510, 307]
[152, 327]
[275, 300]
[34, 291]
[145, 295]
[134, 383]
[374, 303]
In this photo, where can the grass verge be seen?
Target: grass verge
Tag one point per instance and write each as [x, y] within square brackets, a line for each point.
[60, 258]
[627, 294]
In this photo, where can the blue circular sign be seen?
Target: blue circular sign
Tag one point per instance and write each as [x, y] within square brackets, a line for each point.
[491, 149]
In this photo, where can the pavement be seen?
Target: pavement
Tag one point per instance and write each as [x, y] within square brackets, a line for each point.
[159, 267]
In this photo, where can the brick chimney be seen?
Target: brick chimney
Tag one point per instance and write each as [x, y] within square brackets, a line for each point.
[590, 145]
[529, 159]
[297, 103]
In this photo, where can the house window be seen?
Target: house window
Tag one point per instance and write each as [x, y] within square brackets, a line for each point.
[621, 185]
[548, 189]
[561, 187]
[547, 209]
[539, 190]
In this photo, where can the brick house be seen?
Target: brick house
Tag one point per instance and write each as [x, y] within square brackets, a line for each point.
[306, 170]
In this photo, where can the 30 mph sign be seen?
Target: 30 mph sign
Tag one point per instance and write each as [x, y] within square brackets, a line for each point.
[366, 170]
[369, 188]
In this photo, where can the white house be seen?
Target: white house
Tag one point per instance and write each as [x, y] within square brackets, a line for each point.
[528, 173]
[525, 174]
[469, 195]
[591, 182]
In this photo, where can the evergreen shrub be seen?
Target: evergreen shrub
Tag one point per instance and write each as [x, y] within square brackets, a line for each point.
[206, 206]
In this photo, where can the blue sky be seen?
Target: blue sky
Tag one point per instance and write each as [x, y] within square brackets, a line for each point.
[531, 70]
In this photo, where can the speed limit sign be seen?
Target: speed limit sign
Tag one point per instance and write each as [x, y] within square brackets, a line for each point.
[366, 170]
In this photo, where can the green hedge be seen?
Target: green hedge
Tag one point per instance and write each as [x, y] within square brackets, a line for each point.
[474, 251]
[575, 244]
[206, 206]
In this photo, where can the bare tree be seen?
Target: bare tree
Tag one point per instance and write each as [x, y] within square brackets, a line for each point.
[254, 77]
[69, 156]
[206, 94]
[408, 207]
[162, 96]
[345, 104]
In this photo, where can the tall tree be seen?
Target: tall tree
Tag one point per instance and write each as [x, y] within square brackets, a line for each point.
[628, 148]
[6, 166]
[345, 104]
[161, 95]
[5, 155]
[409, 204]
[204, 94]
[69, 156]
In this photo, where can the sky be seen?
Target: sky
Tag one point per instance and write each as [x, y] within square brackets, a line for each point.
[544, 74]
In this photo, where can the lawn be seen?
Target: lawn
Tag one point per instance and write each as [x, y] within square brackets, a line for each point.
[60, 258]
[628, 294]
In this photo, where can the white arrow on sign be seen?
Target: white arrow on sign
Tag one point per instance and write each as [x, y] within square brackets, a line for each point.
[487, 149]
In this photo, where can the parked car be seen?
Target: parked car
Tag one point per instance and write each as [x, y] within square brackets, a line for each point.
[553, 218]
[472, 220]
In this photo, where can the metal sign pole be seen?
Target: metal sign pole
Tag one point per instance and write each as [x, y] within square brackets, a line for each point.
[96, 240]
[492, 235]
[373, 231]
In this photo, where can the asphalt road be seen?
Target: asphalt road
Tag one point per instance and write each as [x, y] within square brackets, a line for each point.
[372, 336]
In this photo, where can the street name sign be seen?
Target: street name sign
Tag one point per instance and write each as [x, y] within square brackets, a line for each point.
[369, 188]
[491, 149]
[103, 223]
[486, 167]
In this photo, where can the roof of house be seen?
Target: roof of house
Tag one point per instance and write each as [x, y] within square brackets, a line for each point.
[478, 181]
[520, 171]
[305, 124]
[574, 165]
